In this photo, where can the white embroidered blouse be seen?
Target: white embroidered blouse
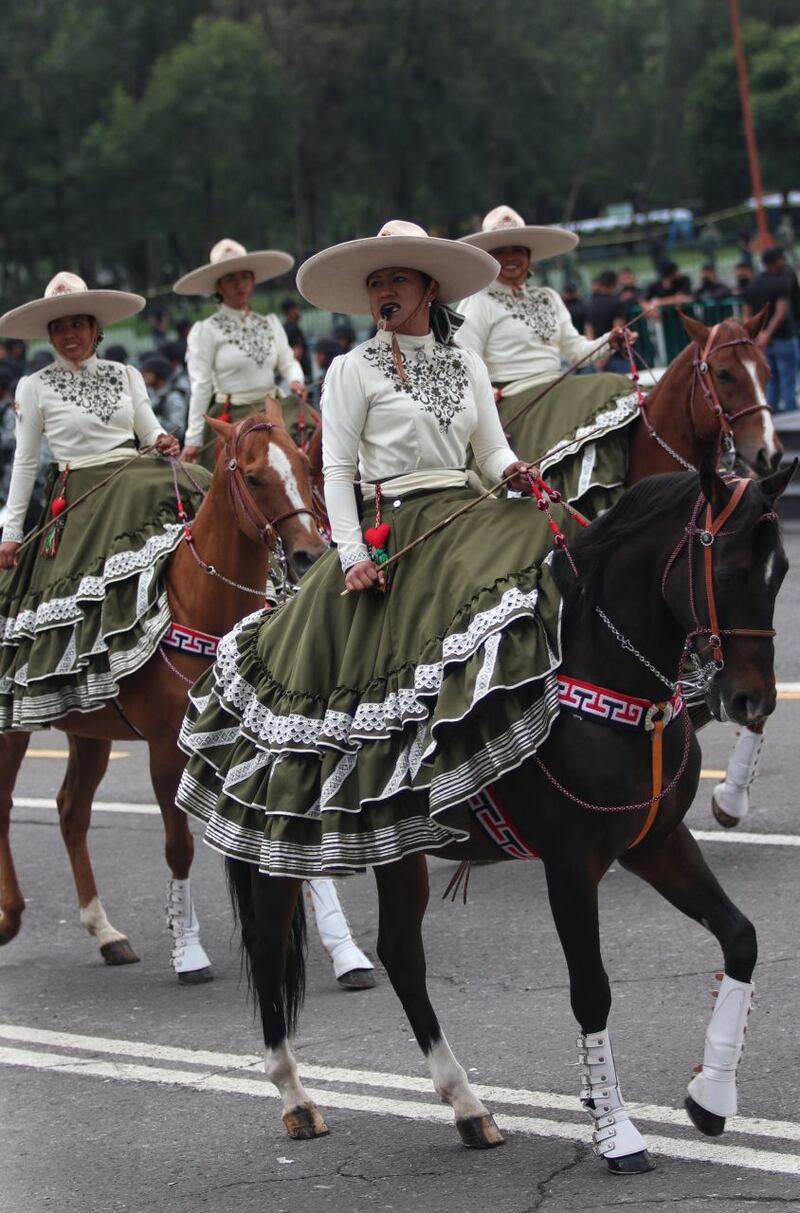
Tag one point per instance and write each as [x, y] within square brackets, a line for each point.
[522, 334]
[379, 425]
[84, 413]
[236, 353]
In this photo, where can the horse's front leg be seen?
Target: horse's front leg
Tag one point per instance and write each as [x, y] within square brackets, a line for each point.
[87, 764]
[271, 917]
[573, 900]
[403, 896]
[677, 869]
[730, 800]
[12, 903]
[188, 957]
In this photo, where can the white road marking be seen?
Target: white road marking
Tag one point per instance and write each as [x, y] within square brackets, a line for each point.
[670, 1147]
[251, 1063]
[152, 810]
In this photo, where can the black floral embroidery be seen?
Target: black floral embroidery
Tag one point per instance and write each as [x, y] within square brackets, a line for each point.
[97, 391]
[533, 306]
[253, 336]
[437, 378]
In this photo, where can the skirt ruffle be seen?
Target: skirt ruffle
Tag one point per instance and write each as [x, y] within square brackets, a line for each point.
[338, 732]
[73, 626]
[577, 434]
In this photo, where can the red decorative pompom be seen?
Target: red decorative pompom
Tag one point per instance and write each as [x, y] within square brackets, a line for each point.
[376, 536]
[57, 506]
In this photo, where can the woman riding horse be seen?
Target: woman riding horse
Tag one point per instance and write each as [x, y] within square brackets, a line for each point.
[81, 609]
[234, 356]
[523, 332]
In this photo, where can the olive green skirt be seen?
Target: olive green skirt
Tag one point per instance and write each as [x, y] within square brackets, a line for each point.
[73, 626]
[339, 732]
[300, 420]
[578, 435]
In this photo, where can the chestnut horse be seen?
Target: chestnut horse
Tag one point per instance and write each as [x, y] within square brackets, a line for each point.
[675, 557]
[260, 491]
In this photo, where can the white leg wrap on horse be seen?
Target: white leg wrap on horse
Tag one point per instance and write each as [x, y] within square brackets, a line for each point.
[451, 1083]
[187, 953]
[334, 930]
[93, 919]
[733, 794]
[280, 1068]
[714, 1088]
[615, 1135]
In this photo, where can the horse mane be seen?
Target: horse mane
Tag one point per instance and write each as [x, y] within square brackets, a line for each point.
[646, 502]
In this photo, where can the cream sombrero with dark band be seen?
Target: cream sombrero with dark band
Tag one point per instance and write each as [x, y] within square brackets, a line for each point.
[68, 295]
[229, 257]
[336, 279]
[504, 227]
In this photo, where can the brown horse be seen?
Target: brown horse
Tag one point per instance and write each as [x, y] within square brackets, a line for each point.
[712, 398]
[260, 491]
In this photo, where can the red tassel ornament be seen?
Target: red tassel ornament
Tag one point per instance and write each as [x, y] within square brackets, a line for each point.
[52, 536]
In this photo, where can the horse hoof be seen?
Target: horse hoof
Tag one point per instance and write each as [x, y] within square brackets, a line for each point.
[196, 977]
[357, 979]
[631, 1164]
[480, 1132]
[119, 952]
[725, 820]
[707, 1122]
[305, 1122]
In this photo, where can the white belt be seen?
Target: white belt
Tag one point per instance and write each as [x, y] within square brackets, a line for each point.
[117, 455]
[424, 478]
[256, 396]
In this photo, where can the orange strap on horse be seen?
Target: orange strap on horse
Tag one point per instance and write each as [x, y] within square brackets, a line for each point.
[657, 766]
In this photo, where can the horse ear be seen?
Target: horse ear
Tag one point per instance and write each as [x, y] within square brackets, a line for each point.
[695, 328]
[755, 324]
[223, 429]
[714, 488]
[775, 484]
[272, 410]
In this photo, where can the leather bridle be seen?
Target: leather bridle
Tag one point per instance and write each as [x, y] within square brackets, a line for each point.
[702, 377]
[707, 535]
[243, 502]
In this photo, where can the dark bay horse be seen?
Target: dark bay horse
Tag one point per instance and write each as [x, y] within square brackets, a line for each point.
[260, 491]
[677, 557]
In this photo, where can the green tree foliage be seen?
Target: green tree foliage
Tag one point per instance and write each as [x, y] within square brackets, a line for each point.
[136, 134]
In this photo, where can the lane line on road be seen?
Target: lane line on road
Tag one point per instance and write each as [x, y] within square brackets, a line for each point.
[152, 810]
[670, 1147]
[39, 753]
[145, 1050]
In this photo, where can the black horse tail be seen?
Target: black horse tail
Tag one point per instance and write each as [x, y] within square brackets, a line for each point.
[270, 992]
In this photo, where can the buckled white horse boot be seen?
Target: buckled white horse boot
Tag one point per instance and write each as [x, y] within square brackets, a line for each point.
[730, 799]
[188, 958]
[351, 968]
[712, 1091]
[615, 1137]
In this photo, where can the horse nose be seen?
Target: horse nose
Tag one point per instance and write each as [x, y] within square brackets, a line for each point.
[301, 560]
[764, 463]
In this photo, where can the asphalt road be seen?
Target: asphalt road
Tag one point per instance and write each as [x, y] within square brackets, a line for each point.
[121, 1090]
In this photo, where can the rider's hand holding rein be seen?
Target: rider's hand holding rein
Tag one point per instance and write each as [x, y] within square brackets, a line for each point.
[365, 576]
[618, 336]
[167, 444]
[8, 555]
[520, 473]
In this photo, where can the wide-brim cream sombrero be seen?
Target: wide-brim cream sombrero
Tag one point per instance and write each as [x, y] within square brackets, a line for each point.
[229, 257]
[68, 295]
[504, 226]
[336, 279]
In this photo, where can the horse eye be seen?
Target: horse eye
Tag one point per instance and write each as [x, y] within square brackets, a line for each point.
[724, 376]
[251, 479]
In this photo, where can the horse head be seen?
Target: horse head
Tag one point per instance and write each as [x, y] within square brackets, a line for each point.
[729, 377]
[725, 594]
[269, 486]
